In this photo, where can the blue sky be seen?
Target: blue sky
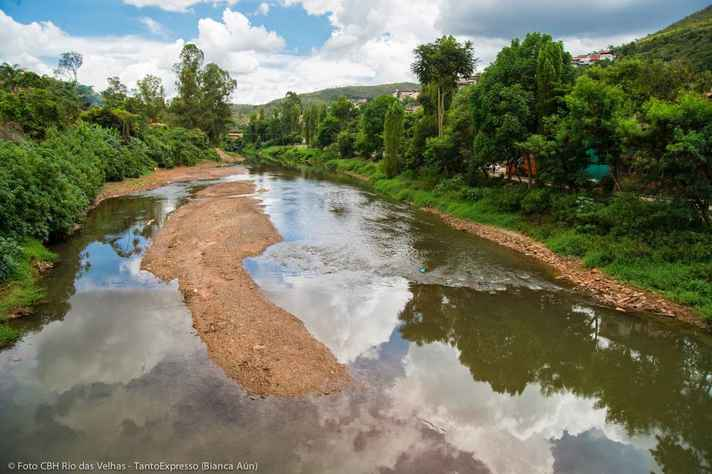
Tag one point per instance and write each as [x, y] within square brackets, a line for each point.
[274, 46]
[101, 17]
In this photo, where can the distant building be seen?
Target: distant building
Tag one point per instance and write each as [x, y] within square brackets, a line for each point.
[593, 58]
[234, 135]
[358, 102]
[406, 94]
[474, 79]
[708, 95]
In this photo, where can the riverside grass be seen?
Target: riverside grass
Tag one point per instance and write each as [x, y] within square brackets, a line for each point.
[22, 290]
[677, 266]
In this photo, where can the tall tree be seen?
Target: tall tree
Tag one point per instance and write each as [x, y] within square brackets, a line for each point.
[116, 94]
[441, 64]
[373, 116]
[392, 138]
[548, 78]
[311, 124]
[290, 114]
[152, 96]
[203, 94]
[215, 114]
[69, 64]
[186, 105]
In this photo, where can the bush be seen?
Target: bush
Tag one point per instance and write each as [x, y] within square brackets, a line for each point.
[7, 334]
[569, 243]
[346, 141]
[536, 201]
[507, 198]
[10, 255]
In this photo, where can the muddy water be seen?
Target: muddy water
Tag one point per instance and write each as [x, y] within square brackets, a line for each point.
[467, 357]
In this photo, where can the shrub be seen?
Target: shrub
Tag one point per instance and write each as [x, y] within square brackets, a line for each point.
[7, 334]
[10, 255]
[569, 243]
[507, 198]
[536, 201]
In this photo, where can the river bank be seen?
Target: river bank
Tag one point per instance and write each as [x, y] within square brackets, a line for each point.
[641, 285]
[18, 295]
[164, 176]
[266, 349]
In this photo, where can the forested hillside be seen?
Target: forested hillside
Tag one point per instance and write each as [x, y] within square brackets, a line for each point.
[58, 147]
[243, 111]
[689, 39]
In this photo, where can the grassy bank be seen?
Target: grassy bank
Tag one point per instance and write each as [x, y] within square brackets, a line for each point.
[21, 289]
[652, 245]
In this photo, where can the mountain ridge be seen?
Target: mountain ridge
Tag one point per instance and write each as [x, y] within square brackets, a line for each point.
[688, 39]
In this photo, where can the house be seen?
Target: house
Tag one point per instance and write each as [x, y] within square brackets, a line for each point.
[708, 95]
[592, 58]
[474, 79]
[406, 94]
[358, 102]
[234, 135]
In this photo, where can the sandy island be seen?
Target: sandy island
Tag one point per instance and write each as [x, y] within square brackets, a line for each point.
[266, 349]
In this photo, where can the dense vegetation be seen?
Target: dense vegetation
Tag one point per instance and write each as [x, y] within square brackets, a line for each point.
[689, 38]
[58, 146]
[322, 97]
[611, 163]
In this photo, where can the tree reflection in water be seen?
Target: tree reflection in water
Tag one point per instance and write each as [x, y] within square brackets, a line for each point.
[649, 378]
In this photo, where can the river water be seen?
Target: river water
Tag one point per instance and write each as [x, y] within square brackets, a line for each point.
[467, 357]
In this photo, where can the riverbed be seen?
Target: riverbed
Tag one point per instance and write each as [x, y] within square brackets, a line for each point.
[465, 356]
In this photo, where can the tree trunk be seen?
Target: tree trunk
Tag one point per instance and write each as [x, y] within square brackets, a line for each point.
[441, 111]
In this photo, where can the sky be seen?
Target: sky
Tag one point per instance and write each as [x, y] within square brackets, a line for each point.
[274, 46]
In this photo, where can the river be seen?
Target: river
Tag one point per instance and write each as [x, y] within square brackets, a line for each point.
[466, 357]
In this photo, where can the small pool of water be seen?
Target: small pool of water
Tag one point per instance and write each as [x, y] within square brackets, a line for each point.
[467, 357]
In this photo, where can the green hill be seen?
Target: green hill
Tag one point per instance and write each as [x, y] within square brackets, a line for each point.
[243, 111]
[689, 39]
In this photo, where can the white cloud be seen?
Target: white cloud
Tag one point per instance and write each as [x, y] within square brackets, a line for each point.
[262, 9]
[174, 5]
[36, 46]
[234, 34]
[152, 25]
[372, 41]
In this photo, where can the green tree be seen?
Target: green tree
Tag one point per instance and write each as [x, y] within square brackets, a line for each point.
[186, 105]
[290, 116]
[339, 116]
[311, 124]
[524, 85]
[548, 78]
[116, 94]
[373, 116]
[441, 64]
[451, 153]
[69, 64]
[215, 114]
[502, 117]
[392, 138]
[676, 150]
[152, 97]
[595, 113]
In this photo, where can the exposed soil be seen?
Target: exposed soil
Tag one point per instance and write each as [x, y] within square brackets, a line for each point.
[622, 296]
[266, 349]
[163, 177]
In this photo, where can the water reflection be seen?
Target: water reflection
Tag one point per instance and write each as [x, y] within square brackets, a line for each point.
[480, 364]
[632, 383]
